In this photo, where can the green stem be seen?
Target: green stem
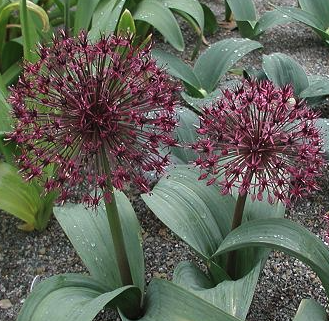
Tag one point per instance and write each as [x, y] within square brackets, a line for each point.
[116, 230]
[67, 16]
[237, 220]
[228, 13]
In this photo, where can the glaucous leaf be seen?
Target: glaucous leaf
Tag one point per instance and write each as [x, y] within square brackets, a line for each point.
[316, 88]
[319, 8]
[233, 297]
[186, 135]
[166, 301]
[307, 18]
[323, 125]
[271, 19]
[105, 17]
[219, 58]
[176, 67]
[160, 17]
[308, 310]
[5, 118]
[75, 297]
[198, 103]
[284, 235]
[210, 21]
[283, 70]
[243, 10]
[84, 13]
[197, 213]
[89, 232]
[191, 7]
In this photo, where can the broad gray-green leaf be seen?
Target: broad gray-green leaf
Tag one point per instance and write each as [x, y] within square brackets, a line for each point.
[5, 119]
[246, 29]
[243, 10]
[105, 17]
[166, 301]
[283, 70]
[18, 197]
[283, 235]
[247, 258]
[319, 8]
[270, 19]
[199, 103]
[234, 297]
[191, 7]
[219, 58]
[307, 18]
[210, 23]
[74, 297]
[160, 17]
[309, 309]
[176, 67]
[197, 213]
[316, 89]
[89, 232]
[83, 14]
[186, 135]
[323, 125]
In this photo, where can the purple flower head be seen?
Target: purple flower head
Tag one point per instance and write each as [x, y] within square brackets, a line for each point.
[84, 105]
[261, 140]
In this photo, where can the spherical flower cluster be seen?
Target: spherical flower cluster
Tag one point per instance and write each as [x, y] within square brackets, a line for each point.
[261, 140]
[90, 109]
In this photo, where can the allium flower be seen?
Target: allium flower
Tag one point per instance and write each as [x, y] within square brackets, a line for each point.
[261, 140]
[85, 105]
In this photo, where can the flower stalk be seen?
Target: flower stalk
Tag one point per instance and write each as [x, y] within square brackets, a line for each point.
[237, 220]
[115, 228]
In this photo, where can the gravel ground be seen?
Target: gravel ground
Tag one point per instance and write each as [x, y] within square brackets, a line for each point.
[284, 281]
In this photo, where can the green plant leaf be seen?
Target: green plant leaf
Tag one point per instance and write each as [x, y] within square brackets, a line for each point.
[12, 52]
[219, 58]
[319, 8]
[323, 125]
[309, 309]
[283, 70]
[198, 103]
[243, 10]
[89, 232]
[284, 235]
[84, 13]
[244, 13]
[176, 67]
[307, 18]
[246, 29]
[210, 21]
[270, 19]
[166, 301]
[106, 17]
[18, 197]
[197, 213]
[5, 118]
[160, 17]
[74, 297]
[10, 76]
[186, 135]
[233, 297]
[126, 23]
[316, 89]
[29, 28]
[191, 7]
